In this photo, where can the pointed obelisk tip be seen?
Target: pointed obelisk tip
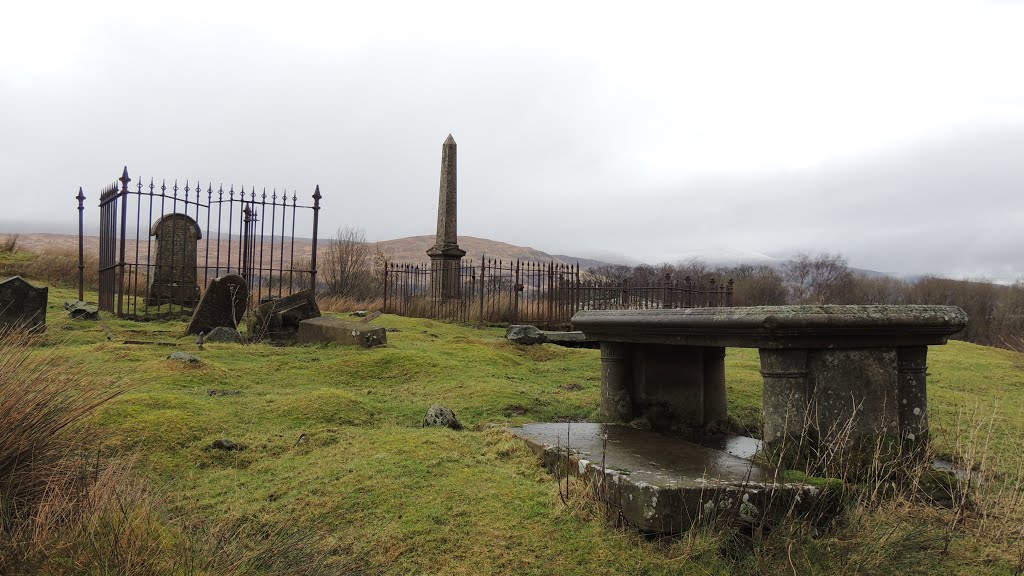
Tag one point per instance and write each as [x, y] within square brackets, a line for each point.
[449, 140]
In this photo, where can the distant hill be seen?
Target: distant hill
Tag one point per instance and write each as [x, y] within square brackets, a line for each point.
[411, 250]
[414, 250]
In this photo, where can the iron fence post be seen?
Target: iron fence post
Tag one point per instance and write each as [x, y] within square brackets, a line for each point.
[483, 270]
[385, 280]
[124, 228]
[316, 224]
[81, 244]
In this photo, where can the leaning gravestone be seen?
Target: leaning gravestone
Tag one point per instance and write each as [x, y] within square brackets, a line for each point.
[22, 305]
[279, 319]
[174, 273]
[223, 304]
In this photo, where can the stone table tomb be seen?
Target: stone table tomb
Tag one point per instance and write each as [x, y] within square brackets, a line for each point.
[831, 373]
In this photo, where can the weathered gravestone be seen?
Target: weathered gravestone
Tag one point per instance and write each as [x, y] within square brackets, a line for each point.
[279, 319]
[223, 304]
[22, 305]
[174, 272]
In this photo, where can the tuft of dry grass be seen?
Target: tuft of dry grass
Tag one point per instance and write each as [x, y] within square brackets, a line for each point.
[42, 398]
[329, 303]
[64, 510]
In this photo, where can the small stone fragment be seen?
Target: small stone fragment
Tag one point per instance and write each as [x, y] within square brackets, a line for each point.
[225, 444]
[441, 415]
[184, 357]
[224, 334]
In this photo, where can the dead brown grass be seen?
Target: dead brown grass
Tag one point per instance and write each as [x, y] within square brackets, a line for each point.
[65, 510]
[348, 304]
[56, 267]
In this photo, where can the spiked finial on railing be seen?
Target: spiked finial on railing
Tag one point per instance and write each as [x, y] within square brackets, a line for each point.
[124, 179]
[80, 198]
[152, 186]
[316, 195]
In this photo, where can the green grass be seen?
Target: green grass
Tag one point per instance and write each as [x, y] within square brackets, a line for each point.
[405, 499]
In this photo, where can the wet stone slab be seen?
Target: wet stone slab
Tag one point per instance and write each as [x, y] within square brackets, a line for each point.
[662, 484]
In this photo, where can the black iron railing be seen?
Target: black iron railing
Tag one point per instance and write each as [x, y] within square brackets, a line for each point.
[542, 294]
[160, 245]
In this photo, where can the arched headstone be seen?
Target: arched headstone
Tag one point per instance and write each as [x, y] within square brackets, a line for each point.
[174, 276]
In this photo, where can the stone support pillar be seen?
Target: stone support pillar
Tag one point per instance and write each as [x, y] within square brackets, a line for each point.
[716, 408]
[787, 394]
[616, 377]
[912, 394]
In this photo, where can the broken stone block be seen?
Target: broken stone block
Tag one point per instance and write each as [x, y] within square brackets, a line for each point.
[279, 319]
[331, 329]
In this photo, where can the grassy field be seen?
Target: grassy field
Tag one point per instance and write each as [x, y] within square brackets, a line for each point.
[333, 445]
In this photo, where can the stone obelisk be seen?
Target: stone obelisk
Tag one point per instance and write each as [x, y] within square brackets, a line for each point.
[445, 255]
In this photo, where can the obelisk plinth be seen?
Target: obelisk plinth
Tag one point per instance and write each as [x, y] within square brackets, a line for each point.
[445, 255]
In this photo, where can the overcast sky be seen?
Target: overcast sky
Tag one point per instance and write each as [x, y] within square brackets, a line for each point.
[892, 132]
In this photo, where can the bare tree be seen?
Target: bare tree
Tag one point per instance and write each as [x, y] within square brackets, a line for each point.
[612, 272]
[756, 286]
[348, 268]
[820, 279]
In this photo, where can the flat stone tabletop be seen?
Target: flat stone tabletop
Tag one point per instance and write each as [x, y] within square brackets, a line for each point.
[805, 326]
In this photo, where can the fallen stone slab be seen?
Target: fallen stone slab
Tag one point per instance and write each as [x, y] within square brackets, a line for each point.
[524, 334]
[574, 339]
[371, 317]
[664, 485]
[81, 310]
[338, 331]
[147, 343]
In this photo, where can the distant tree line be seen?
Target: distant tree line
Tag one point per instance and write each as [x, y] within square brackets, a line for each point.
[996, 312]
